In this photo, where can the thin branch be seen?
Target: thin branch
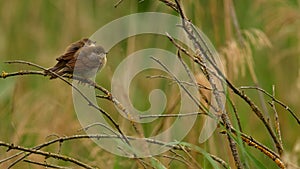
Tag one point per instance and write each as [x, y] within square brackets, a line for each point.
[98, 124]
[274, 99]
[236, 114]
[103, 97]
[90, 103]
[96, 136]
[21, 72]
[45, 164]
[190, 30]
[111, 98]
[254, 108]
[180, 156]
[174, 158]
[200, 86]
[45, 154]
[118, 3]
[172, 115]
[177, 80]
[220, 161]
[170, 4]
[277, 124]
[254, 143]
[189, 155]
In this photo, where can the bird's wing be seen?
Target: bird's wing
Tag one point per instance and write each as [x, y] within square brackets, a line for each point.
[72, 49]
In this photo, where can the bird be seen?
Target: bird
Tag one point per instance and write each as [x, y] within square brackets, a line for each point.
[83, 56]
[87, 62]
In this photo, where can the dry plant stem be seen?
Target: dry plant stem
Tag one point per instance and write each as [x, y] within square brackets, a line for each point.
[118, 3]
[220, 161]
[190, 156]
[170, 4]
[194, 83]
[108, 96]
[95, 136]
[200, 86]
[174, 158]
[257, 112]
[4, 75]
[253, 143]
[217, 159]
[44, 164]
[273, 99]
[180, 156]
[189, 30]
[236, 114]
[144, 164]
[45, 154]
[22, 72]
[254, 108]
[101, 136]
[189, 73]
[98, 124]
[198, 60]
[59, 144]
[172, 115]
[277, 124]
[89, 102]
[177, 81]
[111, 98]
[103, 97]
[197, 102]
[263, 149]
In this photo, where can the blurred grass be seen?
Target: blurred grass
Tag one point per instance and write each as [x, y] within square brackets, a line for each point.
[33, 108]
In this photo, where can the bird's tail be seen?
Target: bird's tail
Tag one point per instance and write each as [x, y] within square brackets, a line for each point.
[50, 72]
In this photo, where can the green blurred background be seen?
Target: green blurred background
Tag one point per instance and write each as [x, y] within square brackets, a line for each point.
[33, 107]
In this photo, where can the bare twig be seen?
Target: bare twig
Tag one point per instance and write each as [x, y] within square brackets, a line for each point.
[178, 81]
[236, 114]
[21, 72]
[277, 124]
[274, 99]
[90, 103]
[118, 3]
[200, 86]
[198, 60]
[45, 154]
[98, 124]
[111, 98]
[252, 142]
[45, 164]
[172, 115]
[221, 161]
[76, 137]
[254, 108]
[190, 30]
[180, 156]
[170, 4]
[189, 155]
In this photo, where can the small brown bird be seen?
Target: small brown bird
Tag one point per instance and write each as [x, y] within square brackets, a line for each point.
[87, 62]
[87, 57]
